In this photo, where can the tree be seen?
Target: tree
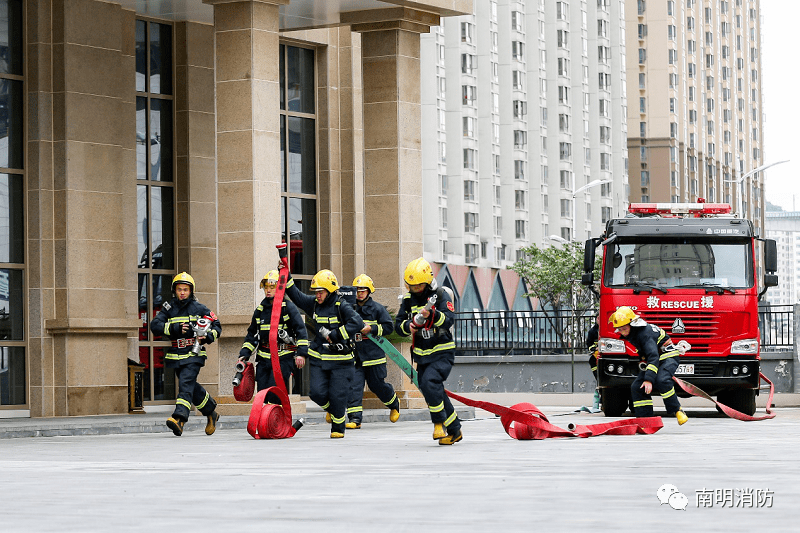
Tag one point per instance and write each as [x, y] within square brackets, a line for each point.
[553, 276]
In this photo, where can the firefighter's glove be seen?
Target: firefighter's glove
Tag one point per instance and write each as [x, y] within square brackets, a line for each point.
[208, 339]
[244, 354]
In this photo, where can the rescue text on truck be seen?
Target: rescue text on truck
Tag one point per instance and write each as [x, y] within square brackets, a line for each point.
[689, 269]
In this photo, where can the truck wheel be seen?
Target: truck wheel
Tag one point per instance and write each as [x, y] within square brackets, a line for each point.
[615, 401]
[743, 400]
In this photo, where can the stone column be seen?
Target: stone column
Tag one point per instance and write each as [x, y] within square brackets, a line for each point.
[248, 155]
[82, 285]
[390, 47]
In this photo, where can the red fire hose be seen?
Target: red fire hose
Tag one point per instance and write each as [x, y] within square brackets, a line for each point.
[274, 421]
[733, 413]
[524, 421]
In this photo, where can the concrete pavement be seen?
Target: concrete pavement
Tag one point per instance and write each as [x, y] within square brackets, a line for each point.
[394, 477]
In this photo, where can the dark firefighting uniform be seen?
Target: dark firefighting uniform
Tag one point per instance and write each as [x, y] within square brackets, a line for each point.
[168, 322]
[330, 369]
[434, 355]
[591, 343]
[661, 357]
[257, 340]
[371, 361]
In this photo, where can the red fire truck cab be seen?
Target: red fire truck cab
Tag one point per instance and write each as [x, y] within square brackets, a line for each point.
[691, 270]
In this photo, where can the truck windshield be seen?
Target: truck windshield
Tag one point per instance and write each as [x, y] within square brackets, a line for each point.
[679, 264]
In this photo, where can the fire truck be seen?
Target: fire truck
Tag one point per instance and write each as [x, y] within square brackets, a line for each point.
[690, 269]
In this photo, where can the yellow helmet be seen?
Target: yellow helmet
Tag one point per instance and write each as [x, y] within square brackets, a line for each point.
[364, 282]
[418, 271]
[324, 279]
[271, 278]
[622, 317]
[183, 277]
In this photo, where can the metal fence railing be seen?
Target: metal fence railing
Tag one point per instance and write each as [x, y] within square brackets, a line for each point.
[776, 323]
[534, 332]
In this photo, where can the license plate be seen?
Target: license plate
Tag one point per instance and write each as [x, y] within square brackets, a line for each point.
[685, 370]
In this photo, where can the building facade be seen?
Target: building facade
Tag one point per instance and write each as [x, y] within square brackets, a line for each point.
[143, 138]
[524, 105]
[695, 119]
[784, 228]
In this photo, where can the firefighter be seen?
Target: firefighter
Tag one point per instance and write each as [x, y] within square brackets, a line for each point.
[175, 321]
[331, 351]
[591, 343]
[659, 358]
[432, 345]
[370, 359]
[292, 338]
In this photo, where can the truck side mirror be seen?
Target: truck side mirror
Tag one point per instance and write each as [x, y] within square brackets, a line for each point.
[588, 255]
[770, 255]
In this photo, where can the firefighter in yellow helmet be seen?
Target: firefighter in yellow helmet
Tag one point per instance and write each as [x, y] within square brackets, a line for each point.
[659, 361]
[432, 346]
[292, 338]
[370, 359]
[331, 352]
[180, 321]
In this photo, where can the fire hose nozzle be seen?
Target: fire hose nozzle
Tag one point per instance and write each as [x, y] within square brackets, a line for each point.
[237, 378]
[642, 366]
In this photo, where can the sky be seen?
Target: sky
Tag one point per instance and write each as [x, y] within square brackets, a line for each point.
[781, 86]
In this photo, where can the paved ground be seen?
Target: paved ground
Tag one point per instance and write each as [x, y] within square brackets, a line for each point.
[394, 477]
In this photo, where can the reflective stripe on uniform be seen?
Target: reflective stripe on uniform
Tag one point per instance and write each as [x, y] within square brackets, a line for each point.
[436, 408]
[669, 393]
[204, 402]
[654, 368]
[351, 410]
[338, 420]
[182, 356]
[390, 402]
[438, 348]
[667, 355]
[330, 356]
[450, 419]
[185, 403]
[642, 403]
[374, 362]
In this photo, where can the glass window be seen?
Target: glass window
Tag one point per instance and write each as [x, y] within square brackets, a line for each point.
[12, 222]
[155, 198]
[298, 160]
[299, 75]
[13, 371]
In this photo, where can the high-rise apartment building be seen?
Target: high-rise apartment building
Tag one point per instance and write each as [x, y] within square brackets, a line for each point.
[523, 105]
[784, 227]
[695, 123]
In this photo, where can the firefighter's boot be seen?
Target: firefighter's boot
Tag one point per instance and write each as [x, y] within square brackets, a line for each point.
[439, 432]
[176, 425]
[353, 424]
[337, 435]
[394, 415]
[451, 439]
[211, 426]
[682, 418]
[596, 402]
[328, 418]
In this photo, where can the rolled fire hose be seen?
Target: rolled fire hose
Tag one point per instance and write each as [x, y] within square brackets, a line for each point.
[274, 421]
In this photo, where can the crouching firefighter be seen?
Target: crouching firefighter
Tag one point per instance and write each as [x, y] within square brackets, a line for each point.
[292, 339]
[370, 359]
[331, 351]
[427, 315]
[190, 325]
[659, 361]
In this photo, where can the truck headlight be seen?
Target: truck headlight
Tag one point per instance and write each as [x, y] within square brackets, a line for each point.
[745, 346]
[611, 346]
